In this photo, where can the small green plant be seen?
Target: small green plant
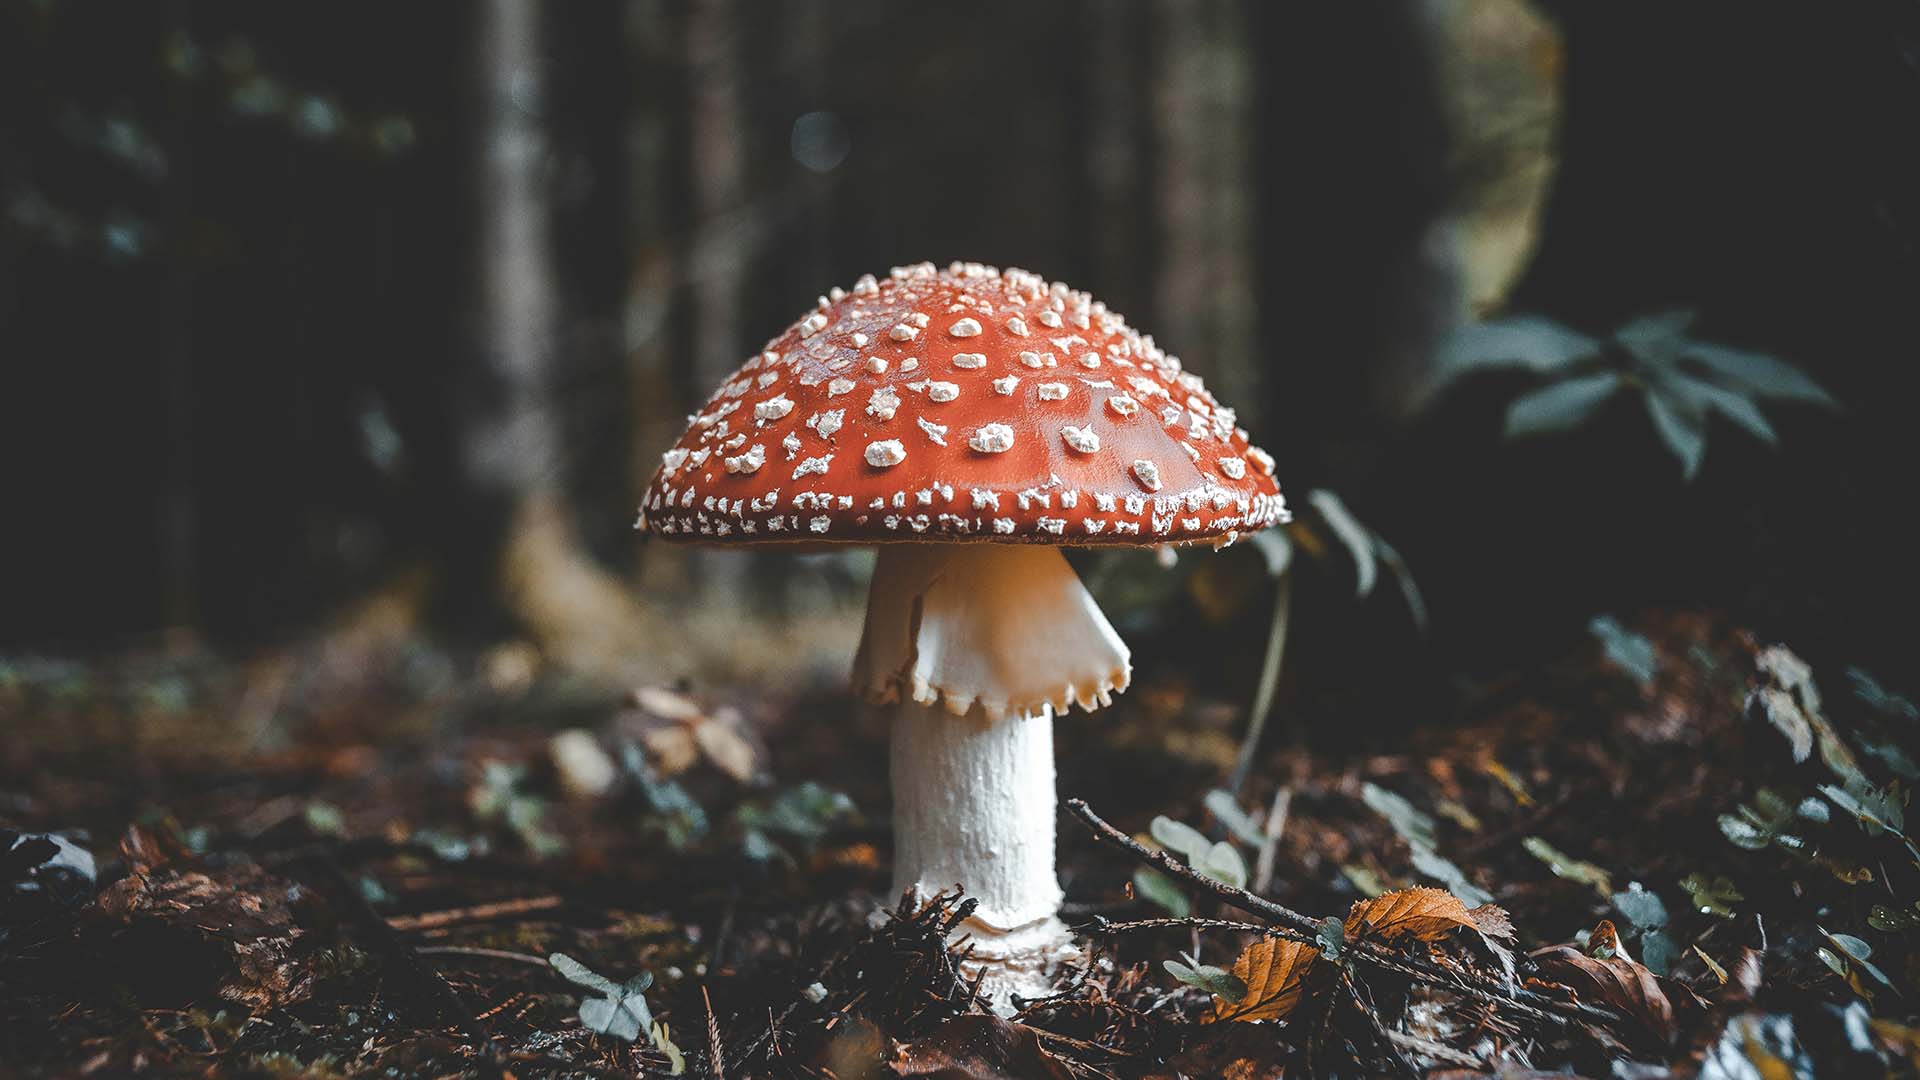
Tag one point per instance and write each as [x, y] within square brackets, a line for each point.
[1216, 859]
[1213, 980]
[1682, 380]
[621, 1010]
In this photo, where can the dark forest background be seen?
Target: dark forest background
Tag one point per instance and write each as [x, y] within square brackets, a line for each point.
[303, 305]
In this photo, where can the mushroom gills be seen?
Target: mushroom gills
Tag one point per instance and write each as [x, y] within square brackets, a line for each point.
[986, 630]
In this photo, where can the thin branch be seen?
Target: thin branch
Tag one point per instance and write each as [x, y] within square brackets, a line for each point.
[1294, 926]
[489, 954]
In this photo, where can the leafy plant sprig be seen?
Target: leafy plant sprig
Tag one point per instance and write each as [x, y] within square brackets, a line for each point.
[1682, 380]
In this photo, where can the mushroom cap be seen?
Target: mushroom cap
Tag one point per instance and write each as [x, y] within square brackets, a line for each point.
[962, 405]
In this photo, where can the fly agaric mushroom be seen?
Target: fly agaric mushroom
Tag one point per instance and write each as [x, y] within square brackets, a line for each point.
[970, 422]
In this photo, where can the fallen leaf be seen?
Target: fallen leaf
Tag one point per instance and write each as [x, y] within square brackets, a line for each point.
[231, 925]
[1274, 971]
[1616, 981]
[1425, 913]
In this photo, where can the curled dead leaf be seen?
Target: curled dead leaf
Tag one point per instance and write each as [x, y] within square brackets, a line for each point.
[1616, 981]
[1421, 912]
[1275, 972]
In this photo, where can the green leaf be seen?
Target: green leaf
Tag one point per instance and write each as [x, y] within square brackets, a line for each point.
[1757, 373]
[1227, 812]
[621, 1010]
[1713, 896]
[1178, 836]
[1849, 944]
[1703, 396]
[1744, 833]
[1655, 339]
[1427, 862]
[1410, 822]
[1222, 984]
[1875, 809]
[1682, 429]
[1332, 938]
[1160, 890]
[1223, 863]
[1628, 650]
[1566, 866]
[1533, 342]
[1642, 907]
[1561, 406]
[1357, 538]
[1879, 698]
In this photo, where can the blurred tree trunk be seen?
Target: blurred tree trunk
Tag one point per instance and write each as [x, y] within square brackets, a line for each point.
[654, 368]
[1202, 128]
[580, 615]
[717, 249]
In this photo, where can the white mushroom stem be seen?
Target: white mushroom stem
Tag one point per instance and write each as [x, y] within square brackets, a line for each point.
[975, 646]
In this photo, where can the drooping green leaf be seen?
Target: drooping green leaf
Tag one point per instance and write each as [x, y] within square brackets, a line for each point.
[1179, 837]
[1357, 538]
[1881, 699]
[1223, 863]
[1160, 890]
[1682, 429]
[1702, 396]
[1757, 373]
[1559, 406]
[1532, 342]
[1227, 812]
[1215, 981]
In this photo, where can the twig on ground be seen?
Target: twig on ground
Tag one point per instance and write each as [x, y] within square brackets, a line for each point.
[1294, 926]
[488, 954]
[431, 920]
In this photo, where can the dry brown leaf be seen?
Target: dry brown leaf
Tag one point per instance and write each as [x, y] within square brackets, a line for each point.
[1275, 972]
[1617, 981]
[1421, 912]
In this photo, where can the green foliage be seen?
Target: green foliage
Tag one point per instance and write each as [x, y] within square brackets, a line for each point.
[679, 818]
[1711, 896]
[1237, 821]
[621, 1009]
[801, 815]
[1162, 891]
[1332, 938]
[1218, 860]
[1627, 650]
[499, 799]
[1684, 381]
[1415, 827]
[1213, 980]
[1773, 820]
[1646, 916]
[1566, 866]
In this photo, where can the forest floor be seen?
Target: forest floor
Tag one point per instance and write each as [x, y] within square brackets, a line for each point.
[1663, 855]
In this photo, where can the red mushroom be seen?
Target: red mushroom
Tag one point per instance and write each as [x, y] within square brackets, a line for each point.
[970, 422]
